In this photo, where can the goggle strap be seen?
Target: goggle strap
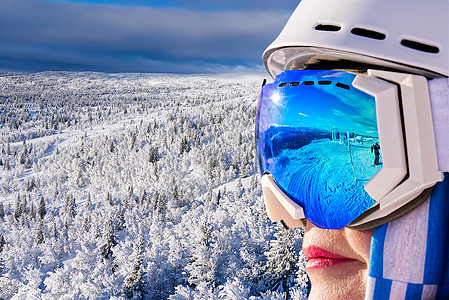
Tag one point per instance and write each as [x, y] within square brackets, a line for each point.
[439, 101]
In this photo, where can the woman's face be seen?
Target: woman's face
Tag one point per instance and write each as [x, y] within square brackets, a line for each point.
[338, 262]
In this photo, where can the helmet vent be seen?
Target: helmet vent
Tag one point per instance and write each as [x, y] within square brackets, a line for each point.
[368, 33]
[342, 85]
[327, 27]
[419, 46]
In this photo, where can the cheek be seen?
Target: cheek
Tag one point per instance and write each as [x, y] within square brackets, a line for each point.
[360, 241]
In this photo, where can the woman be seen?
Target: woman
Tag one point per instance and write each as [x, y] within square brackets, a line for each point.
[368, 72]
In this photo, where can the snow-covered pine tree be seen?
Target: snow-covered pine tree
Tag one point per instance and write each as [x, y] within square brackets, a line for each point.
[155, 171]
[201, 267]
[2, 243]
[55, 231]
[183, 146]
[109, 199]
[239, 188]
[18, 208]
[32, 211]
[280, 267]
[2, 211]
[134, 284]
[28, 163]
[209, 195]
[69, 207]
[39, 237]
[143, 198]
[153, 154]
[108, 241]
[161, 204]
[88, 205]
[87, 223]
[41, 210]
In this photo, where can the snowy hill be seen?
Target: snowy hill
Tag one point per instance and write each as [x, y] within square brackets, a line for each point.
[136, 186]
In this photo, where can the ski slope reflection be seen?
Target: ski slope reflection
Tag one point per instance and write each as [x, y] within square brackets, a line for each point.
[323, 171]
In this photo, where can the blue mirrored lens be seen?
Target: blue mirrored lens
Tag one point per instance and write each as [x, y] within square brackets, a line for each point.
[317, 136]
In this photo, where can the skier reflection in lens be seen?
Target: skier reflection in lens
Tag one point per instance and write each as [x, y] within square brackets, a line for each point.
[376, 149]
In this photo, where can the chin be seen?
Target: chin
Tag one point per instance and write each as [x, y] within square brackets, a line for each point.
[343, 281]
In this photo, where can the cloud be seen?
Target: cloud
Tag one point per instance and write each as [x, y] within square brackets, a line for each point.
[43, 35]
[207, 5]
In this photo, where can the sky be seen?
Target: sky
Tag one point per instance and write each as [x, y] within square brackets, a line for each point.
[169, 36]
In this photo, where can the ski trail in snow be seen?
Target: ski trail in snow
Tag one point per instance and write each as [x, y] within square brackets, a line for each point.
[69, 138]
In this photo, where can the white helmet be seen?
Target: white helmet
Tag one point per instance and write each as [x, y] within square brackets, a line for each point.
[409, 35]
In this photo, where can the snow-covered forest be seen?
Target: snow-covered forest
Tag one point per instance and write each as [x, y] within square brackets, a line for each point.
[137, 186]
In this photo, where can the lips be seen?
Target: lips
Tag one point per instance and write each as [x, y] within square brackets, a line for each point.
[320, 258]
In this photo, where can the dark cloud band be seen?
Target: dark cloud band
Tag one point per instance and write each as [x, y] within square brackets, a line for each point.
[134, 39]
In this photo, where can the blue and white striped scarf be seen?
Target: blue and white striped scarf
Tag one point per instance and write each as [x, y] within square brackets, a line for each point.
[410, 255]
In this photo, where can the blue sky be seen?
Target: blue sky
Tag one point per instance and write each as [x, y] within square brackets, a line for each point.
[193, 36]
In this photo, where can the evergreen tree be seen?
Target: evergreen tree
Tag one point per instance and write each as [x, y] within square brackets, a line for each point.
[280, 267]
[24, 206]
[86, 223]
[121, 222]
[39, 239]
[143, 198]
[218, 197]
[2, 211]
[130, 200]
[18, 208]
[155, 200]
[239, 187]
[133, 140]
[89, 202]
[55, 231]
[244, 170]
[109, 240]
[135, 282]
[22, 158]
[201, 267]
[41, 210]
[69, 207]
[254, 182]
[109, 199]
[175, 193]
[32, 211]
[184, 146]
[153, 154]
[161, 204]
[28, 163]
[2, 243]
[7, 166]
[209, 195]
[155, 171]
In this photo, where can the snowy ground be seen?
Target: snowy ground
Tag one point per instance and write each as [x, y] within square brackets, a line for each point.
[136, 185]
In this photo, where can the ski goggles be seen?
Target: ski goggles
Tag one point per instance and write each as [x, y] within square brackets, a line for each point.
[337, 148]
